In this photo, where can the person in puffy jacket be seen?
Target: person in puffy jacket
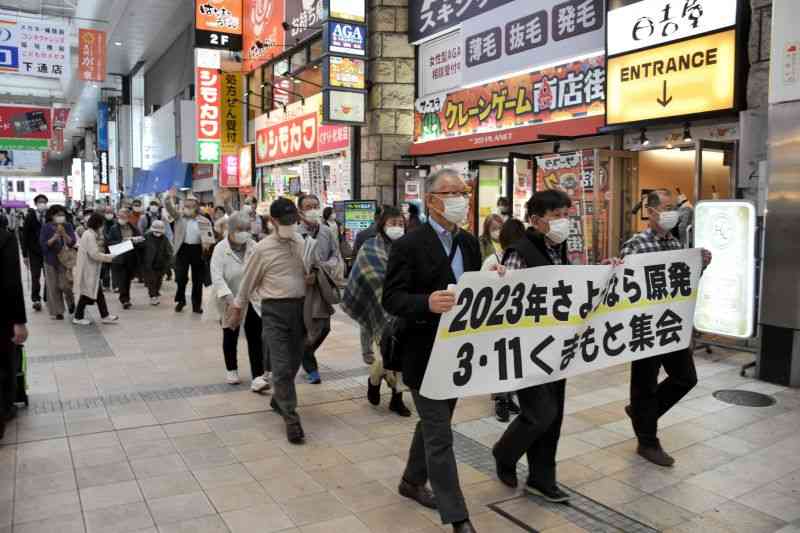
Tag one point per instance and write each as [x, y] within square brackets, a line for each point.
[156, 259]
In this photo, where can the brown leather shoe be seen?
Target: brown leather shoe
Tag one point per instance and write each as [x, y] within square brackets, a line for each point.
[419, 494]
[656, 455]
[464, 527]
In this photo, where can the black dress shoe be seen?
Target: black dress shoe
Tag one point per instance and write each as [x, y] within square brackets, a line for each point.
[126, 305]
[501, 410]
[71, 309]
[59, 317]
[294, 433]
[552, 494]
[419, 494]
[656, 455]
[505, 473]
[464, 527]
[373, 392]
[396, 405]
[37, 306]
[197, 310]
[179, 307]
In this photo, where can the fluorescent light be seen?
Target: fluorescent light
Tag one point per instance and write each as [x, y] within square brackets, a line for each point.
[117, 43]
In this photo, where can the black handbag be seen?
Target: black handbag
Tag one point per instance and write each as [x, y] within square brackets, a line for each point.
[390, 348]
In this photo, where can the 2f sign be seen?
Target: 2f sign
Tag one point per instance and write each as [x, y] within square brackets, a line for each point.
[217, 39]
[654, 22]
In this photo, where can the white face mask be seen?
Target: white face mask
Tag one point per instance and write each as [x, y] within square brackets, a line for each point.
[286, 232]
[455, 210]
[123, 221]
[241, 237]
[394, 232]
[59, 219]
[495, 234]
[109, 216]
[154, 209]
[313, 215]
[158, 233]
[559, 230]
[41, 206]
[138, 209]
[668, 220]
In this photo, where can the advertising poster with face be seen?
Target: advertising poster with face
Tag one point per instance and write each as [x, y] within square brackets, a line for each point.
[264, 36]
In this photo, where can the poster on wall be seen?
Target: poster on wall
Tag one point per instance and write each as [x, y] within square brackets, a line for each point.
[428, 18]
[218, 24]
[345, 72]
[559, 93]
[303, 18]
[439, 64]
[13, 160]
[44, 48]
[516, 38]
[264, 36]
[25, 128]
[91, 55]
[726, 303]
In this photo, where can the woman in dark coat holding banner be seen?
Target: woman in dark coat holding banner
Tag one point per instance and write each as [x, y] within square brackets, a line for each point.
[535, 432]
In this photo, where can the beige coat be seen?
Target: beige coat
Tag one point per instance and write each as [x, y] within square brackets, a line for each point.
[207, 239]
[87, 268]
[227, 271]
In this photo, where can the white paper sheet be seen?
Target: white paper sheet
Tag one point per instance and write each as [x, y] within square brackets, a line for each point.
[121, 248]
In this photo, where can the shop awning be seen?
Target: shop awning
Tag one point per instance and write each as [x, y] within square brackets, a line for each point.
[163, 176]
[525, 134]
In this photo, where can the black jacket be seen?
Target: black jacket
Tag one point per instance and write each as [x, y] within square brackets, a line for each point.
[418, 267]
[30, 234]
[533, 250]
[114, 236]
[157, 253]
[13, 309]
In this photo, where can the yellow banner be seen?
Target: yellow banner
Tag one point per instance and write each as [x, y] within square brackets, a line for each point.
[689, 77]
[231, 119]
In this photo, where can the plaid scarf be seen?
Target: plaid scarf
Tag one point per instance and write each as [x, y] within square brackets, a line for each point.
[362, 296]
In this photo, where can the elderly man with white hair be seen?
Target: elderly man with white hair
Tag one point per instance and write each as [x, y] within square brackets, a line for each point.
[227, 268]
[194, 236]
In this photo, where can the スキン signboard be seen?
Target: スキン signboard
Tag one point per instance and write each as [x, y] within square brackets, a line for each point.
[726, 300]
[544, 324]
[429, 18]
[559, 93]
[683, 78]
[25, 128]
[218, 24]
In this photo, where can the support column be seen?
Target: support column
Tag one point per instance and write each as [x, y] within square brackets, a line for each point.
[390, 107]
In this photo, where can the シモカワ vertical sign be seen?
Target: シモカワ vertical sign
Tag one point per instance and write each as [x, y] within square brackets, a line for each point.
[208, 89]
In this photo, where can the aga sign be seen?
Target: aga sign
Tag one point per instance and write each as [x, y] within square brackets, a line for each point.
[346, 38]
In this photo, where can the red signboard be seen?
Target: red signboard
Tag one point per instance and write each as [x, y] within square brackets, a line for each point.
[25, 128]
[264, 36]
[60, 117]
[57, 141]
[91, 55]
[333, 138]
[208, 104]
[293, 139]
[229, 171]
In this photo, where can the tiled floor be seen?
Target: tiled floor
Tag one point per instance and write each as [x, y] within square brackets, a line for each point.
[131, 428]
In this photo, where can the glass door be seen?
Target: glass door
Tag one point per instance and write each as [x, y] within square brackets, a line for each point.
[715, 170]
[615, 193]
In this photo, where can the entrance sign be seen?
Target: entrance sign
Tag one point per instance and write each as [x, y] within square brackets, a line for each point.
[684, 78]
[656, 22]
[518, 37]
[726, 300]
[544, 324]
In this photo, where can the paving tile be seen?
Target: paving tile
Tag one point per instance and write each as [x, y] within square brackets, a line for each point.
[47, 484]
[233, 497]
[220, 476]
[180, 508]
[157, 466]
[119, 519]
[97, 440]
[71, 523]
[400, 518]
[99, 456]
[205, 524]
[656, 512]
[315, 508]
[154, 448]
[742, 519]
[349, 524]
[610, 492]
[367, 496]
[286, 486]
[690, 497]
[532, 515]
[339, 476]
[254, 519]
[169, 485]
[91, 476]
[102, 496]
[46, 506]
[208, 457]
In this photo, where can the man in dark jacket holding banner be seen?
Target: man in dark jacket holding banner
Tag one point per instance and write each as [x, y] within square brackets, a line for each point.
[422, 265]
[535, 432]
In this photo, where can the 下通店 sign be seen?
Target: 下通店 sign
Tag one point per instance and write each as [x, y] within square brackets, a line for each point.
[91, 55]
[656, 22]
[208, 88]
[683, 78]
[44, 48]
[25, 128]
[218, 24]
[292, 139]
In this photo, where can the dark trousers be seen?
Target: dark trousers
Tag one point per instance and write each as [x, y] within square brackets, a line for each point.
[535, 432]
[284, 334]
[36, 263]
[153, 281]
[105, 276]
[124, 274]
[650, 400]
[190, 256]
[255, 345]
[84, 300]
[431, 456]
[310, 363]
[9, 363]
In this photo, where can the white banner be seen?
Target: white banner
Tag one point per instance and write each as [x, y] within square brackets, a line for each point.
[654, 22]
[544, 324]
[517, 39]
[440, 64]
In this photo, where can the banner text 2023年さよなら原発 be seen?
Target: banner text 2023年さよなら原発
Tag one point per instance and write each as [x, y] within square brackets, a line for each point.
[543, 324]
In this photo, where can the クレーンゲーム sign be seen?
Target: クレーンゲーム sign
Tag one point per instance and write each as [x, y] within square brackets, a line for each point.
[544, 324]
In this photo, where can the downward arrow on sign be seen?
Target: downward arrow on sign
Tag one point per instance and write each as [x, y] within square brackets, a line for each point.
[664, 101]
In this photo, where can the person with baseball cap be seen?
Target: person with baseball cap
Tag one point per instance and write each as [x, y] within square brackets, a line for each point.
[276, 275]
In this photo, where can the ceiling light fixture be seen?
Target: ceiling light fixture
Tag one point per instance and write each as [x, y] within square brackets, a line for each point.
[687, 133]
[117, 43]
[643, 140]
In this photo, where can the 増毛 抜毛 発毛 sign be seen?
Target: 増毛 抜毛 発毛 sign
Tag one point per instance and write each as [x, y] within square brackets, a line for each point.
[684, 78]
